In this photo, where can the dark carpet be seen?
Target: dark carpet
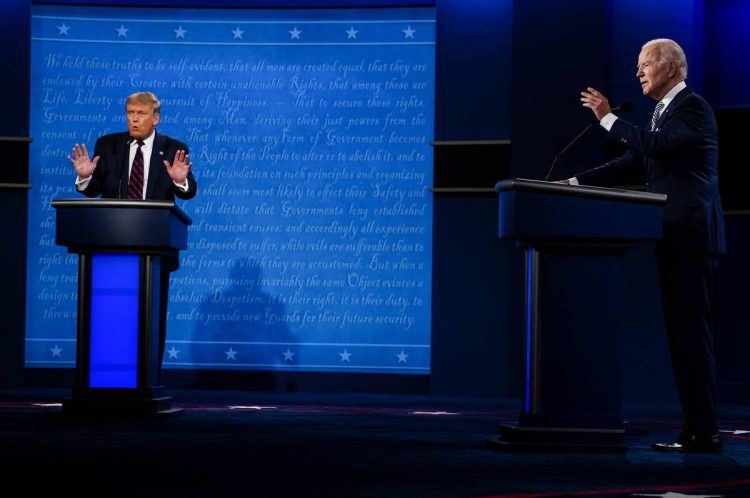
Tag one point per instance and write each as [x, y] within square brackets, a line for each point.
[318, 445]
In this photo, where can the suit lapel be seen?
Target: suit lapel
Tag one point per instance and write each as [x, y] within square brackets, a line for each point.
[673, 105]
[156, 168]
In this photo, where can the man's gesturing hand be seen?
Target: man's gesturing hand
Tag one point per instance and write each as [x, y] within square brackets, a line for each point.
[595, 101]
[178, 170]
[84, 166]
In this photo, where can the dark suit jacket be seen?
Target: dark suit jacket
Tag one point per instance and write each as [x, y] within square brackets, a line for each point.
[110, 178]
[679, 158]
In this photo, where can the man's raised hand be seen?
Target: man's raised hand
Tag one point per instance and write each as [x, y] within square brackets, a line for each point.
[84, 166]
[179, 169]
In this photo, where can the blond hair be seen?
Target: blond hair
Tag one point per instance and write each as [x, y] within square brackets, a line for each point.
[145, 98]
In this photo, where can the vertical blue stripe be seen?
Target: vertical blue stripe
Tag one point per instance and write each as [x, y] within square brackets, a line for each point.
[114, 321]
[529, 288]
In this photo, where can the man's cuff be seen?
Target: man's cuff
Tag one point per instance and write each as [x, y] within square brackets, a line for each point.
[573, 181]
[184, 186]
[82, 183]
[607, 121]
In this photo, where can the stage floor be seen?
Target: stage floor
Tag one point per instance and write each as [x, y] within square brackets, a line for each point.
[349, 445]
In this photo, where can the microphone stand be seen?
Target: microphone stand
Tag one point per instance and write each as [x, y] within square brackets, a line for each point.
[622, 108]
[566, 148]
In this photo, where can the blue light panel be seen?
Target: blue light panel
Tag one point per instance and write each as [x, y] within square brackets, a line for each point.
[114, 321]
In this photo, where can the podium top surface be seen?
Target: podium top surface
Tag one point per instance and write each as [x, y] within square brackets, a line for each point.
[103, 225]
[531, 210]
[602, 193]
[122, 203]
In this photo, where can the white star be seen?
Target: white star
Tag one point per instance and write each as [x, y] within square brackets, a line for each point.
[179, 32]
[56, 351]
[122, 31]
[345, 356]
[408, 32]
[288, 355]
[173, 352]
[434, 413]
[237, 33]
[737, 432]
[245, 407]
[669, 494]
[231, 354]
[63, 29]
[402, 357]
[351, 33]
[295, 33]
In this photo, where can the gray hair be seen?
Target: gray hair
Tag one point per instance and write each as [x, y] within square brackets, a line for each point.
[670, 50]
[145, 98]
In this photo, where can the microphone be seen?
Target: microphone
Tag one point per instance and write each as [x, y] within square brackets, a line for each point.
[128, 141]
[624, 107]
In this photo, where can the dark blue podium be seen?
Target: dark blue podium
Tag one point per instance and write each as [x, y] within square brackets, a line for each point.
[574, 239]
[125, 249]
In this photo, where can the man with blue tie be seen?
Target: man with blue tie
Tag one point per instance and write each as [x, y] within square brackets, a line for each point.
[139, 164]
[677, 155]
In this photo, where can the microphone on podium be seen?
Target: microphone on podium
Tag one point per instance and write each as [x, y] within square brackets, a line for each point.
[128, 141]
[624, 107]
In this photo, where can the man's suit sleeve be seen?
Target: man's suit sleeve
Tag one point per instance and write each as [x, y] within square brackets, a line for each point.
[628, 169]
[683, 128]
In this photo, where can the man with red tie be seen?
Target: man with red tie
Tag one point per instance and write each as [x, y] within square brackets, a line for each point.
[138, 164]
[164, 161]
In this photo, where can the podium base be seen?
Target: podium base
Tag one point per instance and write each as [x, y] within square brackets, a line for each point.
[564, 439]
[122, 407]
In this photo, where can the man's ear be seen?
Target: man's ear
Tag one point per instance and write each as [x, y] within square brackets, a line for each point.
[672, 70]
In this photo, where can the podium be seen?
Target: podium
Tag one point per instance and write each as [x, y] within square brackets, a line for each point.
[126, 250]
[574, 239]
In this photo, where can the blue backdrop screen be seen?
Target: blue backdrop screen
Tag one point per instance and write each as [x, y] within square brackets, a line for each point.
[309, 134]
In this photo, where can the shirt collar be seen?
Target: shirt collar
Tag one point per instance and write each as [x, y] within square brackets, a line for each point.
[673, 92]
[148, 142]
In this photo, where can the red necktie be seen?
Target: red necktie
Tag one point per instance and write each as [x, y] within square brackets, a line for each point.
[135, 184]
